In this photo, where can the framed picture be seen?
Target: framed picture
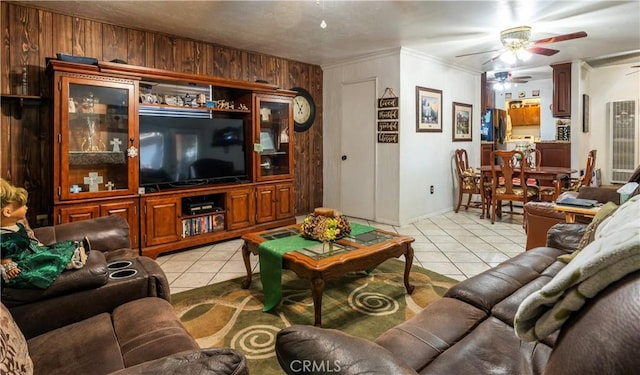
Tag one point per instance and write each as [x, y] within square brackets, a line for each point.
[507, 95]
[428, 110]
[461, 122]
[586, 103]
[535, 93]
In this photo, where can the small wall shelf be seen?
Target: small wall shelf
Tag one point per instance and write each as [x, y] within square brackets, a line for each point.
[20, 101]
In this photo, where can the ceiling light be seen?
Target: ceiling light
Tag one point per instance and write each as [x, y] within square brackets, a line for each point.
[516, 41]
[498, 86]
[508, 57]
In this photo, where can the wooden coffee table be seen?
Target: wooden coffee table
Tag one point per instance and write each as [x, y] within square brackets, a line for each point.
[349, 254]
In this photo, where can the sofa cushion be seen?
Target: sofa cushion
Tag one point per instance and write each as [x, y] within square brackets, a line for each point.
[85, 347]
[148, 329]
[431, 332]
[216, 361]
[14, 353]
[492, 348]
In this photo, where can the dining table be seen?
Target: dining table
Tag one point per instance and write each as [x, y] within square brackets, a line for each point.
[554, 175]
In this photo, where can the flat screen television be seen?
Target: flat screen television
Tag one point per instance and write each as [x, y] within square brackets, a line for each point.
[178, 152]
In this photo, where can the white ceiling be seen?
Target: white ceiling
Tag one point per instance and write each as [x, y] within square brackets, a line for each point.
[442, 29]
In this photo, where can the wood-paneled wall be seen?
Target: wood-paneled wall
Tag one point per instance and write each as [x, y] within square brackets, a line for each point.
[30, 35]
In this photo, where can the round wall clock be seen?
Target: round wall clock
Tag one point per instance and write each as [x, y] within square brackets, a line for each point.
[304, 110]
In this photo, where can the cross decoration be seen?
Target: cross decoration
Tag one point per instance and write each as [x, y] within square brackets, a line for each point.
[93, 180]
[109, 185]
[75, 189]
[116, 142]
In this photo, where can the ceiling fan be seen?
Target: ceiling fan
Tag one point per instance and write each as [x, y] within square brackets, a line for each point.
[517, 44]
[503, 80]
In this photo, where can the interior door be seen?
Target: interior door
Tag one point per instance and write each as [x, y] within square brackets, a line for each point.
[358, 132]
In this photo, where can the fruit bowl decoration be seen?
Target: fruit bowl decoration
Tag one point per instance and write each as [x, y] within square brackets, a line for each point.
[325, 224]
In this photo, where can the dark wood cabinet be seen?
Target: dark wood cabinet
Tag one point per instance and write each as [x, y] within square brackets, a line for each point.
[487, 99]
[240, 208]
[98, 110]
[485, 153]
[561, 90]
[555, 154]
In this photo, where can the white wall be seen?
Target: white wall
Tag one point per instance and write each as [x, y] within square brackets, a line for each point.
[385, 67]
[603, 85]
[427, 158]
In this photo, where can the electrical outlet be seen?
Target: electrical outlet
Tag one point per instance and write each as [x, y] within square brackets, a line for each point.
[431, 189]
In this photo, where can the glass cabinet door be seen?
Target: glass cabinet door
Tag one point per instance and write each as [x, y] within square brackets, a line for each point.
[98, 145]
[274, 138]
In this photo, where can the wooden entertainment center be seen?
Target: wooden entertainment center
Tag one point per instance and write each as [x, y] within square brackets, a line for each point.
[103, 167]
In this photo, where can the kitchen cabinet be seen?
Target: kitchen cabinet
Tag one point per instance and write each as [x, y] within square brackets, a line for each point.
[561, 106]
[525, 116]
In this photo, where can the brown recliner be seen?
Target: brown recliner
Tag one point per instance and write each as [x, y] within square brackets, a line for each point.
[94, 287]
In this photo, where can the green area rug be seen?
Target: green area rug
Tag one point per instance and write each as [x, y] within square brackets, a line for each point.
[364, 305]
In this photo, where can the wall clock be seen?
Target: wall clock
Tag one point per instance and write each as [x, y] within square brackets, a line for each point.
[304, 110]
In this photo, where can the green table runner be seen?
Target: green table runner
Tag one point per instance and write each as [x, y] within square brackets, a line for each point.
[270, 258]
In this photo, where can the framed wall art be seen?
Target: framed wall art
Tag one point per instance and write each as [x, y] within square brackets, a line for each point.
[461, 122]
[429, 110]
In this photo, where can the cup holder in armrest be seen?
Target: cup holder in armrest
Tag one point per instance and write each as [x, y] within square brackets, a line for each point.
[118, 265]
[123, 274]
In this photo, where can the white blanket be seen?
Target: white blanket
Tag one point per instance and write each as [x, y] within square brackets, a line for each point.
[614, 253]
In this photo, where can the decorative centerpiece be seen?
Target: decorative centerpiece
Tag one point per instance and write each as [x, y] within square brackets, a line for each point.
[326, 225]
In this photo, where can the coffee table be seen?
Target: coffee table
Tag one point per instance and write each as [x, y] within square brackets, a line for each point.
[349, 254]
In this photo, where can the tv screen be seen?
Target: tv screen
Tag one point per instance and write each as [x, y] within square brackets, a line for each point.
[182, 151]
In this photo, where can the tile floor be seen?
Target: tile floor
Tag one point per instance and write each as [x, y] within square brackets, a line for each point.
[457, 245]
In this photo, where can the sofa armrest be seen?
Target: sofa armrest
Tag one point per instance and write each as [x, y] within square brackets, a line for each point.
[93, 275]
[193, 362]
[565, 236]
[310, 350]
[105, 233]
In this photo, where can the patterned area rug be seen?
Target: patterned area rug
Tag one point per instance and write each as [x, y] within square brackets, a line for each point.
[364, 305]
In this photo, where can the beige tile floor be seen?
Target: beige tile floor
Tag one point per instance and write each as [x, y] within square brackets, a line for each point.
[457, 245]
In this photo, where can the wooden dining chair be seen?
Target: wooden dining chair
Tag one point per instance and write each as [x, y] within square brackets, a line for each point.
[470, 182]
[507, 168]
[550, 193]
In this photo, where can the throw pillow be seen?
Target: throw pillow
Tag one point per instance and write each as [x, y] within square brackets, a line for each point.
[13, 346]
[589, 233]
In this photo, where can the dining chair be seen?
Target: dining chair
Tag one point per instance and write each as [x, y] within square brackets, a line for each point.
[506, 167]
[470, 182]
[550, 193]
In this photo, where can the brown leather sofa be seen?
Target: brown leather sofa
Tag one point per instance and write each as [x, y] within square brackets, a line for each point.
[88, 322]
[109, 237]
[470, 330]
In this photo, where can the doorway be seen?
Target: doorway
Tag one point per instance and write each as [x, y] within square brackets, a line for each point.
[358, 132]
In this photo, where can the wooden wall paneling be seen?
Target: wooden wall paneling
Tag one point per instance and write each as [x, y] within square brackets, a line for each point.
[62, 33]
[5, 59]
[184, 56]
[256, 67]
[93, 32]
[114, 42]
[208, 59]
[45, 48]
[164, 52]
[79, 37]
[136, 52]
[228, 62]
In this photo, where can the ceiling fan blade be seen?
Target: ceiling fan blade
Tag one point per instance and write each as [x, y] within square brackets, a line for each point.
[478, 53]
[628, 74]
[560, 38]
[543, 51]
[521, 77]
[496, 57]
[518, 80]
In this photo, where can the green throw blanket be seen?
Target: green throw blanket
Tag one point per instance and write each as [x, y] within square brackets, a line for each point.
[270, 258]
[614, 253]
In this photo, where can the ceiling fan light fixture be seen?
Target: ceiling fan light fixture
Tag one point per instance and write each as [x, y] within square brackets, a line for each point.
[508, 57]
[516, 37]
[523, 54]
[498, 86]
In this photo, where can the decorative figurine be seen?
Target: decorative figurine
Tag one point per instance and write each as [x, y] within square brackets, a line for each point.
[93, 180]
[116, 142]
[92, 142]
